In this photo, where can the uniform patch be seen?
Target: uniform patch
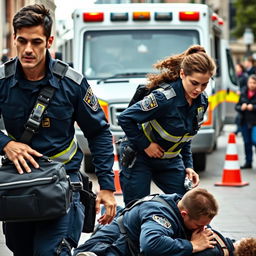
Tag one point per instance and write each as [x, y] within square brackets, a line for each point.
[148, 103]
[200, 115]
[46, 122]
[91, 100]
[162, 221]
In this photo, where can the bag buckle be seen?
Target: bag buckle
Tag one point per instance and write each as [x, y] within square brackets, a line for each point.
[76, 186]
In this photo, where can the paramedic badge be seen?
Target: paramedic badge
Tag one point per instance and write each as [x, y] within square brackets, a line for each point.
[162, 221]
[148, 103]
[91, 100]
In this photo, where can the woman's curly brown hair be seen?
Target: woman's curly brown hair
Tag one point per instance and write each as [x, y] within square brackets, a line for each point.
[246, 247]
[194, 59]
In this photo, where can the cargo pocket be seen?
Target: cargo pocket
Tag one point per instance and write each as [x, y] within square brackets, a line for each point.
[76, 220]
[58, 116]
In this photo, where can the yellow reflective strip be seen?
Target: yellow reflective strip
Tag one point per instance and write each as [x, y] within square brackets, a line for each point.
[147, 129]
[170, 154]
[164, 134]
[232, 97]
[221, 97]
[9, 135]
[66, 151]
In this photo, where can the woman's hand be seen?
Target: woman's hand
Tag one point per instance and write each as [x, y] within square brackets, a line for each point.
[154, 150]
[244, 107]
[192, 175]
[249, 107]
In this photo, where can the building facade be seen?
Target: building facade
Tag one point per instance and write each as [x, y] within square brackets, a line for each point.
[7, 10]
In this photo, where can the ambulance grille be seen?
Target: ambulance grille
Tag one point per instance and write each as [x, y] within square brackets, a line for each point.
[115, 111]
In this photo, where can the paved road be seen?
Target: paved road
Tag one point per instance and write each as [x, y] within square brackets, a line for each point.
[236, 217]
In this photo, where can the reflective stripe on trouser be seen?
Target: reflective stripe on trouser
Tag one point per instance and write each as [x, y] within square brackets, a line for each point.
[177, 140]
[66, 155]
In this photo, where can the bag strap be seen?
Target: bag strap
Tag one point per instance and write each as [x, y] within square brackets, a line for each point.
[220, 240]
[42, 102]
[36, 116]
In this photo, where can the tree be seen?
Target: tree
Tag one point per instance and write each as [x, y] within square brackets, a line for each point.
[245, 17]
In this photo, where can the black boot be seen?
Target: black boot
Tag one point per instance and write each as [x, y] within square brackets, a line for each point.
[246, 166]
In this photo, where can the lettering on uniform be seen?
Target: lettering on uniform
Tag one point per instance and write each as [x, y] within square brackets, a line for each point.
[162, 221]
[46, 122]
[91, 100]
[149, 102]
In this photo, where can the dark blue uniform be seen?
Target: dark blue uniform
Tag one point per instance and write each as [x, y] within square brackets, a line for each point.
[73, 101]
[152, 227]
[166, 118]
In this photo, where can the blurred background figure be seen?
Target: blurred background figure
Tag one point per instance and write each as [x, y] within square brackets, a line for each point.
[249, 64]
[242, 77]
[4, 56]
[246, 108]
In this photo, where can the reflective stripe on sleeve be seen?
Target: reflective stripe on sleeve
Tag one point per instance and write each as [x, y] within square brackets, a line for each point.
[66, 155]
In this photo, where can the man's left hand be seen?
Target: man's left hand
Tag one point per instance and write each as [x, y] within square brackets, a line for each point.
[107, 198]
[192, 175]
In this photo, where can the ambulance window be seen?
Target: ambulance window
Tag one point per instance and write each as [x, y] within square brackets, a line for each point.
[231, 69]
[107, 53]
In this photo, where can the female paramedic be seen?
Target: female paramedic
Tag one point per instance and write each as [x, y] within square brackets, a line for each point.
[159, 127]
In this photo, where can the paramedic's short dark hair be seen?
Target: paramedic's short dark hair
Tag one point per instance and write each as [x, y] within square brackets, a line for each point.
[33, 15]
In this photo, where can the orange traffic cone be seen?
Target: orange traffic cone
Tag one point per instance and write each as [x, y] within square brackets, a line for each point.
[231, 174]
[116, 169]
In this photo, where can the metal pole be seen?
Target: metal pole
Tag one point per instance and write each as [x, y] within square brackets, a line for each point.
[248, 50]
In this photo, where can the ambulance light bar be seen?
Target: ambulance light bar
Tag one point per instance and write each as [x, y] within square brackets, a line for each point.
[93, 16]
[163, 16]
[141, 15]
[120, 16]
[189, 16]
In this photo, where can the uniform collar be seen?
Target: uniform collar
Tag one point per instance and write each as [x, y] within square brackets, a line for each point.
[53, 81]
[178, 88]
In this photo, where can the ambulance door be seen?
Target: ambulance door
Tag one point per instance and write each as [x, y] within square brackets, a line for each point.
[229, 82]
[218, 109]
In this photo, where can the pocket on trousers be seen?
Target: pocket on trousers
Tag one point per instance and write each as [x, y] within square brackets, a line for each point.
[76, 221]
[27, 205]
[126, 172]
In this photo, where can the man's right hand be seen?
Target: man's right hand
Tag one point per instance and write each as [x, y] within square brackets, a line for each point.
[202, 239]
[19, 153]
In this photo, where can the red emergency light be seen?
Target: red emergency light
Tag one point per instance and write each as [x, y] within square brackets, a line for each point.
[189, 16]
[93, 16]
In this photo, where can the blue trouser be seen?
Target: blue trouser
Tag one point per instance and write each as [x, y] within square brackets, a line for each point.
[249, 137]
[167, 174]
[107, 241]
[47, 238]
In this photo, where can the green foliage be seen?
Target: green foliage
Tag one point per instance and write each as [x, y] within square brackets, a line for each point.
[245, 17]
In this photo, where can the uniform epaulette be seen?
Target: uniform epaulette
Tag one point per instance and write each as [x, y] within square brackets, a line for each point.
[7, 69]
[62, 69]
[74, 75]
[167, 90]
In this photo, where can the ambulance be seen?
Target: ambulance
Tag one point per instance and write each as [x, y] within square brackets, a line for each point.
[115, 45]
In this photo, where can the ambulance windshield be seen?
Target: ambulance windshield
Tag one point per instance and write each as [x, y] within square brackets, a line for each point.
[111, 52]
